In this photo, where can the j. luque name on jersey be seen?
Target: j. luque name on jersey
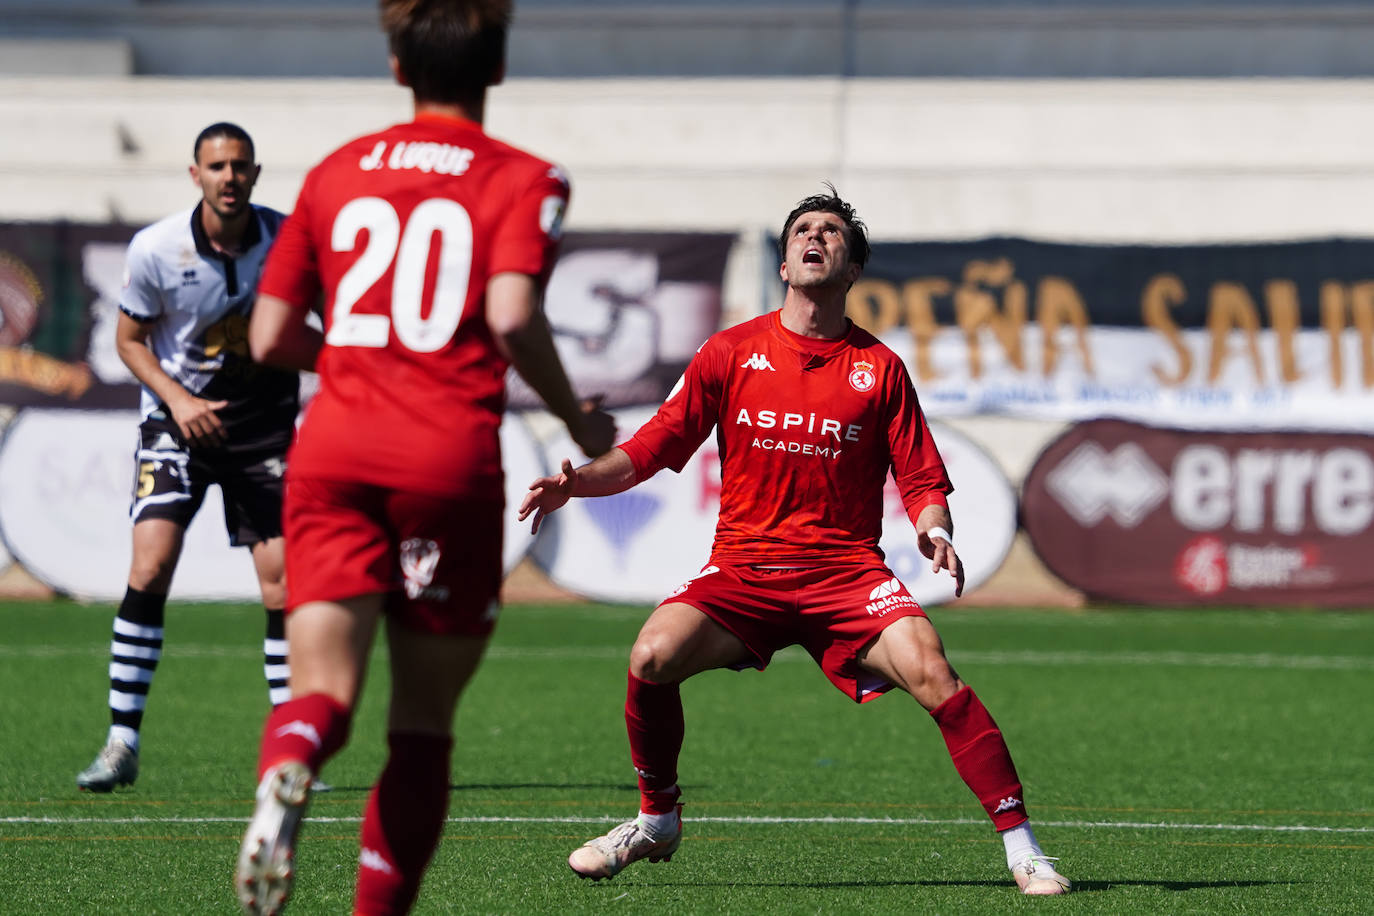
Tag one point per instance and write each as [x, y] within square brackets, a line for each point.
[810, 423]
[441, 158]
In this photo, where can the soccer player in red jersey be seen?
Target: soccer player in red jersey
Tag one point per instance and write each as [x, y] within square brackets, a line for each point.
[810, 414]
[430, 243]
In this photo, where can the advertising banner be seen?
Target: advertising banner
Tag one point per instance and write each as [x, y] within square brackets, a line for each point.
[637, 546]
[628, 310]
[66, 481]
[1139, 514]
[59, 297]
[1263, 336]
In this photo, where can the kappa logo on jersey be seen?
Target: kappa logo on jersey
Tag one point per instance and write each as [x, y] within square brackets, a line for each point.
[1010, 803]
[188, 277]
[302, 728]
[862, 378]
[757, 361]
[887, 596]
[419, 560]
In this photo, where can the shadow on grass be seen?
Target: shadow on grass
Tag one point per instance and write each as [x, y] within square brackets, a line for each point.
[521, 786]
[1079, 887]
[510, 787]
[1174, 885]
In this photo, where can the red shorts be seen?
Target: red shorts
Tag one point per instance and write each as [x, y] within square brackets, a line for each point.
[438, 558]
[834, 612]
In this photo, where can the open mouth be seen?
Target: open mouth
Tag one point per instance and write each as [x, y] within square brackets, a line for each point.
[813, 256]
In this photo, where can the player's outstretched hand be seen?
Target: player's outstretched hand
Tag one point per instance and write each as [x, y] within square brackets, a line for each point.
[596, 433]
[942, 556]
[548, 494]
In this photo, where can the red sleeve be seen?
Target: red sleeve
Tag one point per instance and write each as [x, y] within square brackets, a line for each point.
[684, 421]
[526, 239]
[292, 272]
[917, 467]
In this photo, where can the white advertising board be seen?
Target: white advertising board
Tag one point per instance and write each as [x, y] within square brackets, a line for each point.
[65, 482]
[66, 478]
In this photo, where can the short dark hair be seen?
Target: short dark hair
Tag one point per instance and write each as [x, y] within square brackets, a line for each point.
[447, 50]
[831, 202]
[226, 130]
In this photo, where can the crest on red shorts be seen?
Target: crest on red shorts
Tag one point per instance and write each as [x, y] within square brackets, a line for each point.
[419, 561]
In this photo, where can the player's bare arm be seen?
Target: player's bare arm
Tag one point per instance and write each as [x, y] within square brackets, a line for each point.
[934, 534]
[521, 331]
[195, 417]
[607, 475]
[278, 335]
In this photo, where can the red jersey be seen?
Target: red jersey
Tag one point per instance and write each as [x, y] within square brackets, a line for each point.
[401, 231]
[808, 430]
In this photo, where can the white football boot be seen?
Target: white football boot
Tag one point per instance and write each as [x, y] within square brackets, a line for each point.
[1036, 877]
[606, 856]
[266, 868]
[115, 765]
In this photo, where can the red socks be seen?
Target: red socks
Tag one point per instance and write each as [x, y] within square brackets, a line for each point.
[310, 729]
[981, 757]
[653, 718]
[404, 820]
[405, 812]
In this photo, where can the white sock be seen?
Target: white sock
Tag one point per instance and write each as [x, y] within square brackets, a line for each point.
[659, 826]
[1020, 843]
[123, 733]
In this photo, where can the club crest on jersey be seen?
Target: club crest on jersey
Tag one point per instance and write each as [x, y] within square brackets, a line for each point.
[862, 379]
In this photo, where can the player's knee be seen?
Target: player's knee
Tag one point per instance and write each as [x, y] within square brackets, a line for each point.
[651, 659]
[273, 593]
[152, 574]
[926, 675]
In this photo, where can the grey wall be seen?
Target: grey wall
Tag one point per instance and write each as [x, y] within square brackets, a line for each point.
[580, 38]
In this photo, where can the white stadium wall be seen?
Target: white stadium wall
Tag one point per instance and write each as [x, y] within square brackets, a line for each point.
[1097, 161]
[1094, 160]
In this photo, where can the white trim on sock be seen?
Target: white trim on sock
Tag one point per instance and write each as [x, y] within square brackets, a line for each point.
[659, 827]
[1020, 843]
[123, 733]
[127, 702]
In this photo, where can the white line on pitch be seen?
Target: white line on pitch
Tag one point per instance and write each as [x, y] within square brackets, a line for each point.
[887, 821]
[1260, 660]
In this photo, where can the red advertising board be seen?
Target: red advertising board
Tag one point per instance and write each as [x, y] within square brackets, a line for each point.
[1140, 514]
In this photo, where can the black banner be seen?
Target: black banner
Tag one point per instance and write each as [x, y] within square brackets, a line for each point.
[1259, 335]
[1117, 285]
[59, 286]
[628, 311]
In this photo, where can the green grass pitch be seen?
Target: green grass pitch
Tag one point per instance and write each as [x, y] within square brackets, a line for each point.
[1177, 762]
